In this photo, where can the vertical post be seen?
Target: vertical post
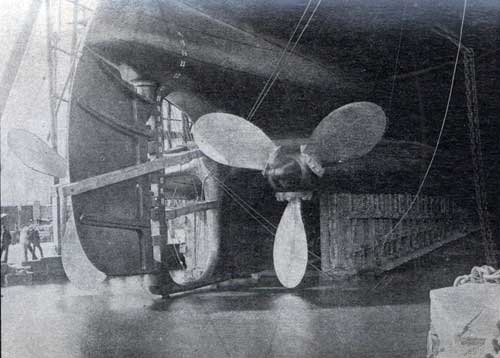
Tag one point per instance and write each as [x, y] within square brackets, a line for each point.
[169, 124]
[324, 209]
[164, 274]
[139, 191]
[50, 63]
[337, 234]
[158, 218]
[147, 89]
[18, 221]
[56, 218]
[54, 204]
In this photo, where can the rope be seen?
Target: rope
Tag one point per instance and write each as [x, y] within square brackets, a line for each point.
[280, 60]
[420, 187]
[479, 274]
[242, 203]
[279, 68]
[254, 213]
[396, 64]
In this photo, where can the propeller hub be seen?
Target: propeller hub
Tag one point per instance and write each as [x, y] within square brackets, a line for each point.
[287, 171]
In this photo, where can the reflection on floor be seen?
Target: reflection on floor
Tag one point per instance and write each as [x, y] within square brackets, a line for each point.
[385, 316]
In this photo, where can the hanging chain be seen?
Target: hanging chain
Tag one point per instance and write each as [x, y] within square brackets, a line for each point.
[477, 158]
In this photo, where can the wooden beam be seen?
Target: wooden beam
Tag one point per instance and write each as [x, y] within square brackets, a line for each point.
[189, 209]
[113, 222]
[391, 264]
[173, 163]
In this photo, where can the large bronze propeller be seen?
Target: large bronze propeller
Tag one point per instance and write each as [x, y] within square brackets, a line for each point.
[348, 132]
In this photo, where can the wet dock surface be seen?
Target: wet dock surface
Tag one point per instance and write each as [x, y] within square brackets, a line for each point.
[386, 316]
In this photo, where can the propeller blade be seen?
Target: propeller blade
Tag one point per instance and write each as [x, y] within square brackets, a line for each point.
[290, 246]
[232, 140]
[350, 131]
[35, 153]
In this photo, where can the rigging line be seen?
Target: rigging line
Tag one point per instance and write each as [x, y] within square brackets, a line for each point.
[396, 64]
[249, 212]
[247, 207]
[280, 60]
[450, 93]
[243, 203]
[274, 227]
[292, 49]
[102, 58]
[329, 274]
[273, 233]
[320, 270]
[240, 201]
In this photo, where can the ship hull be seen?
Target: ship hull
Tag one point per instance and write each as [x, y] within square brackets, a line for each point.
[387, 52]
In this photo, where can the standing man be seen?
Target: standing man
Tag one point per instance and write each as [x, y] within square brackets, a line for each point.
[6, 241]
[24, 239]
[35, 240]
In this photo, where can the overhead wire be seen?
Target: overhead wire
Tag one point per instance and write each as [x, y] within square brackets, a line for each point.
[396, 64]
[256, 215]
[441, 130]
[280, 60]
[280, 67]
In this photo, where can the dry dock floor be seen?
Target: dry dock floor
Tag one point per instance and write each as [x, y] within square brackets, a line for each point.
[386, 316]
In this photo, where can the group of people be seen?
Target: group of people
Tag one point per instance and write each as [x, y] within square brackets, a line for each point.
[29, 239]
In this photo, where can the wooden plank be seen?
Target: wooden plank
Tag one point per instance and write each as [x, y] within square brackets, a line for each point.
[113, 222]
[425, 250]
[173, 163]
[189, 209]
[325, 223]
